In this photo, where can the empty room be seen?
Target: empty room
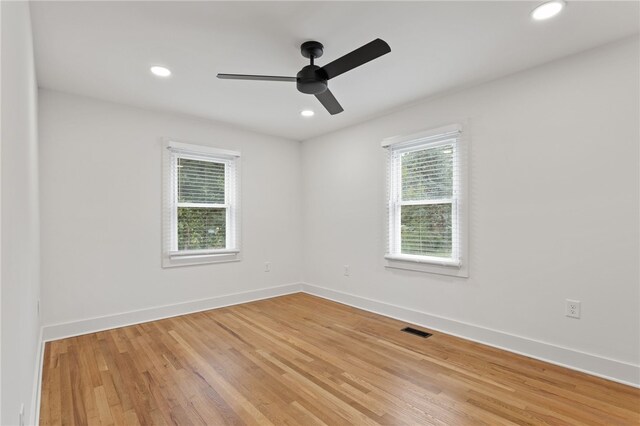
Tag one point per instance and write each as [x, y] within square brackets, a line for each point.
[320, 213]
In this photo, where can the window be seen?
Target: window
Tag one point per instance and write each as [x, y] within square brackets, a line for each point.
[425, 206]
[200, 205]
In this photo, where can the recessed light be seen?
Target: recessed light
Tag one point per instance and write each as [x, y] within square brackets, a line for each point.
[307, 113]
[161, 71]
[547, 10]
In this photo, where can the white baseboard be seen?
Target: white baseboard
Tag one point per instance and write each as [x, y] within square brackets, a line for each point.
[611, 369]
[34, 412]
[92, 325]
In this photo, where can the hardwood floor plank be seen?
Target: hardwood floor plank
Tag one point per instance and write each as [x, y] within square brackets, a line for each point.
[66, 397]
[103, 406]
[303, 360]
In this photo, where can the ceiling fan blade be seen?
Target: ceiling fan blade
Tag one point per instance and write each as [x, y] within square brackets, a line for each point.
[328, 101]
[360, 56]
[255, 77]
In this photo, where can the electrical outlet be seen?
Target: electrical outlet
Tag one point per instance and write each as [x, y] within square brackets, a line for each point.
[267, 266]
[573, 308]
[346, 270]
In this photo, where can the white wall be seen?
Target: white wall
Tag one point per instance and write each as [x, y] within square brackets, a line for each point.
[20, 228]
[553, 207]
[101, 210]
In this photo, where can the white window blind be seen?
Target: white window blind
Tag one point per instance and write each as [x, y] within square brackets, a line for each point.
[201, 220]
[425, 189]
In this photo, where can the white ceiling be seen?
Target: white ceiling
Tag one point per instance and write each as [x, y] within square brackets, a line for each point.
[104, 50]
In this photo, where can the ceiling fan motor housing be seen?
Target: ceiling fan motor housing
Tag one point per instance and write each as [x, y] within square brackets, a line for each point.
[310, 80]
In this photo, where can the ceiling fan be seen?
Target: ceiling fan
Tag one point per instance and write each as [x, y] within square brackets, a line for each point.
[313, 79]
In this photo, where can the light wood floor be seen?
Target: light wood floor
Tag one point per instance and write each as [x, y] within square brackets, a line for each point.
[303, 360]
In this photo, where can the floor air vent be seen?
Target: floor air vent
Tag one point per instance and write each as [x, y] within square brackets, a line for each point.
[417, 332]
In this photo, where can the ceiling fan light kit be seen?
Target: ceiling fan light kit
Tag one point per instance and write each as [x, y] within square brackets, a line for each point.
[313, 79]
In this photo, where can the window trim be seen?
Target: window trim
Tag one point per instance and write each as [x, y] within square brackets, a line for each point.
[171, 150]
[458, 264]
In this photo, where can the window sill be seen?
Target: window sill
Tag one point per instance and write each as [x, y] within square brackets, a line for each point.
[423, 259]
[427, 265]
[170, 260]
